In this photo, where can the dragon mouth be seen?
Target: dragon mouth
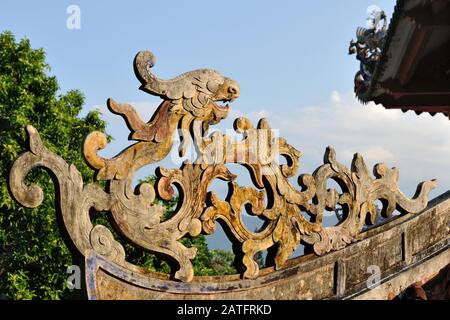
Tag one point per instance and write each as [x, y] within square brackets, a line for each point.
[221, 109]
[222, 105]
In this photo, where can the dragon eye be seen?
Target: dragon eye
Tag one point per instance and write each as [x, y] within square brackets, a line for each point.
[212, 86]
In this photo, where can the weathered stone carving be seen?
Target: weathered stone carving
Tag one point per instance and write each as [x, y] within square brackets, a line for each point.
[190, 102]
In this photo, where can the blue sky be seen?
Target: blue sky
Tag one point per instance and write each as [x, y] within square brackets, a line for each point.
[289, 57]
[281, 53]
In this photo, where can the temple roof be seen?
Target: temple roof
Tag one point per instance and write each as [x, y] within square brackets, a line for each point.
[412, 70]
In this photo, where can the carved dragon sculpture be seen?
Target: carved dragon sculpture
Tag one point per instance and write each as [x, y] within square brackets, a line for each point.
[191, 99]
[192, 95]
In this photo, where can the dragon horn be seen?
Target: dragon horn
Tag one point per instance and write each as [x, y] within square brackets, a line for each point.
[360, 33]
[143, 61]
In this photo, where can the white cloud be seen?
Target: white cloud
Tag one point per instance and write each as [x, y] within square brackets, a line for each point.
[371, 154]
[335, 97]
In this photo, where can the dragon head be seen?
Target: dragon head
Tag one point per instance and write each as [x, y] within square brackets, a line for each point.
[204, 94]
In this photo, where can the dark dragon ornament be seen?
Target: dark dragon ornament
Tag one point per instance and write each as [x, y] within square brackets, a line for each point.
[194, 101]
[368, 49]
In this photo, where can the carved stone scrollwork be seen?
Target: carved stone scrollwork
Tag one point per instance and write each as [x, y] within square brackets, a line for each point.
[191, 102]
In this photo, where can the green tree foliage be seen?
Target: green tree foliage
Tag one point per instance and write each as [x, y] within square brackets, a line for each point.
[206, 263]
[33, 256]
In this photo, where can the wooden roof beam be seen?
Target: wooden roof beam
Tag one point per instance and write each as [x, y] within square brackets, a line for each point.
[415, 49]
[418, 87]
[438, 100]
[432, 13]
